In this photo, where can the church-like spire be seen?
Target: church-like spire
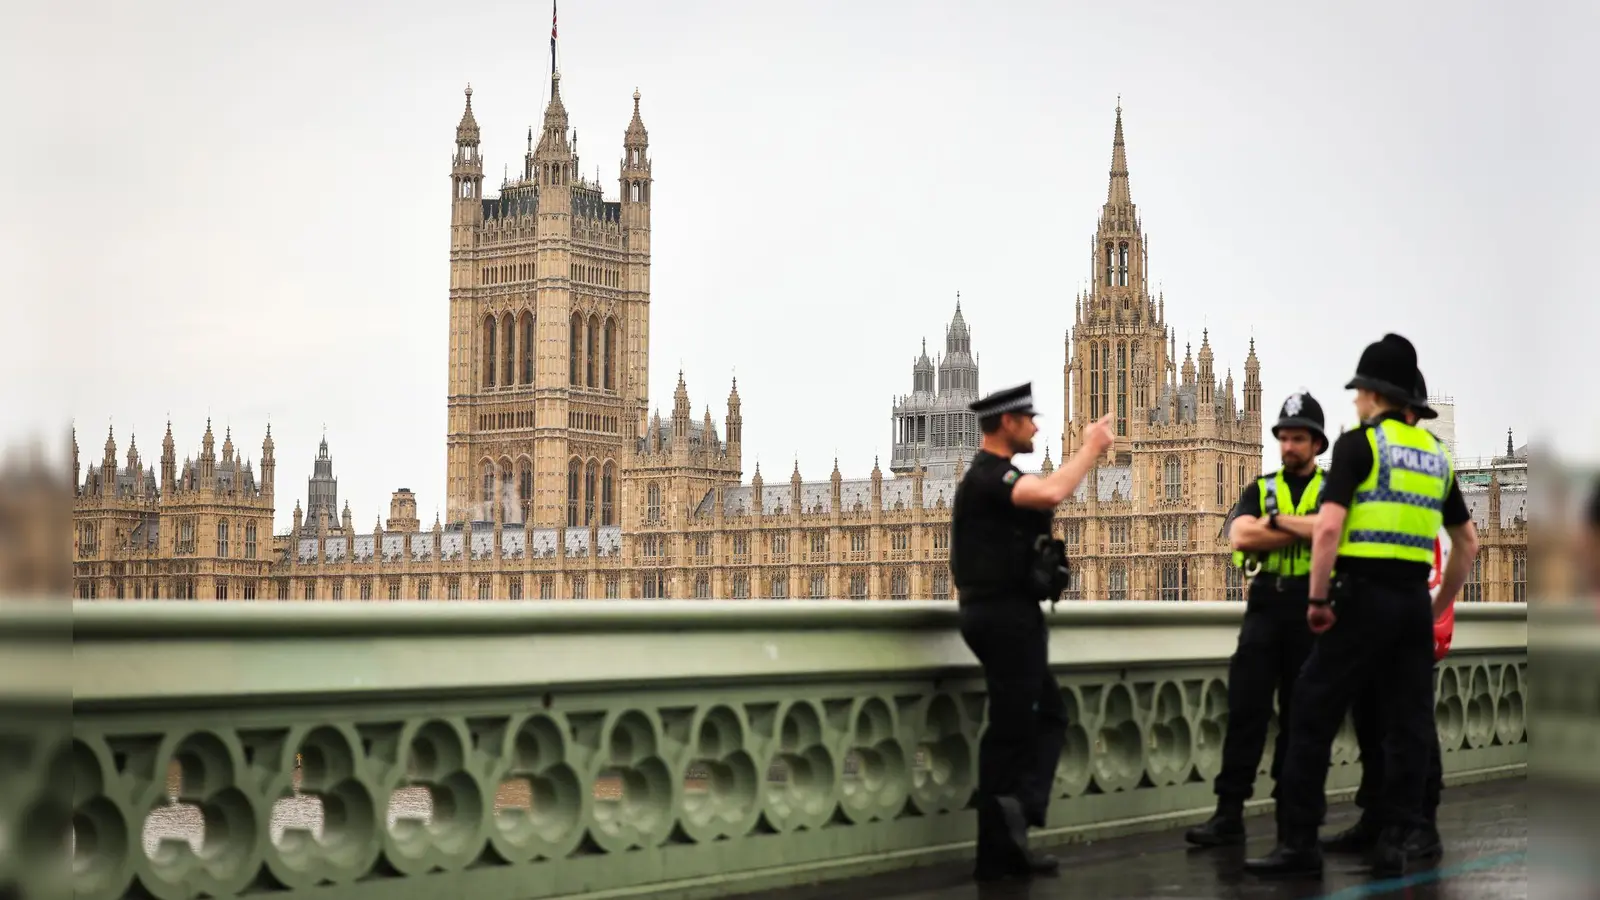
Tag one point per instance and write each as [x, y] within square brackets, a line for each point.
[553, 144]
[1118, 193]
[636, 135]
[634, 175]
[467, 133]
[957, 337]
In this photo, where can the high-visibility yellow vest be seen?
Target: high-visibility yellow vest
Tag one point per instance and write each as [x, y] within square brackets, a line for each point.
[1295, 559]
[1399, 508]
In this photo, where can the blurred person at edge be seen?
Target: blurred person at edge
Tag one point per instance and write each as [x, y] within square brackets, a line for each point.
[35, 528]
[1591, 544]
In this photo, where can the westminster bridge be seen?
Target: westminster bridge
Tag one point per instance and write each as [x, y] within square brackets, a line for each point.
[510, 751]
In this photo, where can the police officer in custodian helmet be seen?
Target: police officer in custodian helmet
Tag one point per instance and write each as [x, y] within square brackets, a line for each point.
[1366, 715]
[1389, 488]
[1270, 530]
[1000, 521]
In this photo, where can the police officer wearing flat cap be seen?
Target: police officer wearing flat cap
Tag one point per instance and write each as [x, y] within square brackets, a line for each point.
[1003, 562]
[1270, 530]
[1366, 716]
[1389, 488]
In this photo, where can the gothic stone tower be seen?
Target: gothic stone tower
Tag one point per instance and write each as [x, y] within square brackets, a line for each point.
[679, 473]
[933, 427]
[549, 325]
[1184, 446]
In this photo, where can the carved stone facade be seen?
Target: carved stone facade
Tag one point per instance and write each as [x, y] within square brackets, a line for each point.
[561, 486]
[676, 521]
[203, 531]
[549, 326]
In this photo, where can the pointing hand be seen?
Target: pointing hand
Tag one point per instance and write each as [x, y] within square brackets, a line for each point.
[1097, 437]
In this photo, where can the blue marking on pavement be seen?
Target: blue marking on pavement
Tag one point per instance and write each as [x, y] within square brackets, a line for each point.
[1389, 885]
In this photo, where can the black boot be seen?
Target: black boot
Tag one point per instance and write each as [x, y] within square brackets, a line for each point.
[1297, 853]
[1397, 853]
[1015, 860]
[1042, 864]
[1224, 829]
[1358, 838]
[1029, 865]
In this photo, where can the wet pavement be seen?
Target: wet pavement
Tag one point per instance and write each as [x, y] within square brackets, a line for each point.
[1484, 826]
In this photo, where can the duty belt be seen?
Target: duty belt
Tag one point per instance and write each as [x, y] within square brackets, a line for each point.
[1282, 583]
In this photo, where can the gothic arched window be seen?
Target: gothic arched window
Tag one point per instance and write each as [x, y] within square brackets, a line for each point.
[1172, 479]
[609, 355]
[574, 471]
[607, 492]
[591, 353]
[508, 355]
[591, 478]
[527, 347]
[488, 351]
[575, 351]
[1094, 382]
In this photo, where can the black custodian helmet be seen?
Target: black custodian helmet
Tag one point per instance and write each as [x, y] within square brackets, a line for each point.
[1419, 403]
[1302, 410]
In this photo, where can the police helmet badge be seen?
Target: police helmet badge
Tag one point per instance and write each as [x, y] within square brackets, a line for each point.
[1295, 403]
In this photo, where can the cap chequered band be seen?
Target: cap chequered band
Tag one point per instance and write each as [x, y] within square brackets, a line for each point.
[1007, 406]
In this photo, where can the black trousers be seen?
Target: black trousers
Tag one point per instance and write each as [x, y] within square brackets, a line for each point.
[1367, 716]
[1021, 747]
[1383, 641]
[1274, 643]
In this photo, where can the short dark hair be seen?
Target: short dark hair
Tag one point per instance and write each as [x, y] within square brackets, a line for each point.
[1594, 506]
[991, 424]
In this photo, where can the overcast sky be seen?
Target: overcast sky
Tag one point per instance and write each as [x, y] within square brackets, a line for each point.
[242, 211]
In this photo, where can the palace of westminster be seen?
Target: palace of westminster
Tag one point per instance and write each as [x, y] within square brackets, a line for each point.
[561, 483]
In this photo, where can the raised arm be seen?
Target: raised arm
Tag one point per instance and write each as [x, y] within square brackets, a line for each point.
[1047, 492]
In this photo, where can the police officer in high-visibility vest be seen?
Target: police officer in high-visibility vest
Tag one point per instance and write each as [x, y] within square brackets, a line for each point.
[1270, 530]
[1366, 715]
[1390, 487]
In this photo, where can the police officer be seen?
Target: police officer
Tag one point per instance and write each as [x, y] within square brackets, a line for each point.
[999, 516]
[1389, 488]
[1271, 534]
[1366, 716]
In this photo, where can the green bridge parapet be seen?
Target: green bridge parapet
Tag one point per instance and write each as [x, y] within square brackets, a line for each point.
[509, 751]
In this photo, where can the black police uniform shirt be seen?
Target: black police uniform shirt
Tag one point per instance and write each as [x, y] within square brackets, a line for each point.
[1352, 463]
[991, 538]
